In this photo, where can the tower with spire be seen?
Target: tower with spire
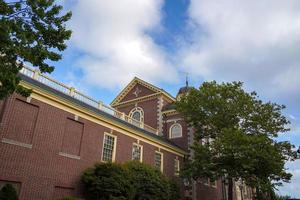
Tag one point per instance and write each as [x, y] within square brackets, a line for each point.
[184, 89]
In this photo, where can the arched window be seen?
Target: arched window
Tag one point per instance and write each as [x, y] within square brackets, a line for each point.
[175, 131]
[138, 115]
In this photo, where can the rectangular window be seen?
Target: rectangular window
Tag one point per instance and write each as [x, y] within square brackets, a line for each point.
[137, 152]
[176, 167]
[109, 147]
[158, 160]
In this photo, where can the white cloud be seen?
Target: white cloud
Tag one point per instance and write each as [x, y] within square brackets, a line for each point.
[113, 36]
[257, 42]
[293, 188]
[254, 41]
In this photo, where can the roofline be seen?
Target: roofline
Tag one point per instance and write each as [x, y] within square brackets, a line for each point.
[123, 90]
[163, 92]
[36, 85]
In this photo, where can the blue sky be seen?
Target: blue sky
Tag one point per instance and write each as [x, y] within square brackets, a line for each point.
[256, 42]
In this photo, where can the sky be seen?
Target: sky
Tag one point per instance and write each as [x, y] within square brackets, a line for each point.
[160, 41]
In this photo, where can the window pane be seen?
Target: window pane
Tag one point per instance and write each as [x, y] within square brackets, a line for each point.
[108, 148]
[136, 152]
[158, 162]
[136, 115]
[176, 131]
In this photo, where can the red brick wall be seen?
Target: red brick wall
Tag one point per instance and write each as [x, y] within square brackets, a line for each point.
[60, 191]
[22, 121]
[180, 141]
[41, 171]
[72, 137]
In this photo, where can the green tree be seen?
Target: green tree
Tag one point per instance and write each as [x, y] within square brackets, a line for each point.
[131, 181]
[31, 31]
[150, 183]
[107, 181]
[235, 137]
[8, 192]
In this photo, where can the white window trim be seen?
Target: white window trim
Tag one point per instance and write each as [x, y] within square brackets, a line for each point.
[141, 111]
[141, 158]
[161, 161]
[114, 148]
[170, 130]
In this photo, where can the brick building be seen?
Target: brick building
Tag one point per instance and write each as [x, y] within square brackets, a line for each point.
[49, 138]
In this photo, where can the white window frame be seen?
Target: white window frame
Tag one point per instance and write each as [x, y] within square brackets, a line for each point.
[141, 153]
[170, 130]
[141, 111]
[176, 169]
[114, 148]
[161, 160]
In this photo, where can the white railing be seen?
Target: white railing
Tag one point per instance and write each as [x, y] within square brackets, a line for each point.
[35, 74]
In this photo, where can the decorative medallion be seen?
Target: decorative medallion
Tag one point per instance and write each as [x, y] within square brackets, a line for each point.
[137, 92]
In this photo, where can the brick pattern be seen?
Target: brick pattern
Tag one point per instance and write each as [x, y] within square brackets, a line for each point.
[72, 137]
[22, 122]
[60, 192]
[16, 185]
[180, 141]
[42, 171]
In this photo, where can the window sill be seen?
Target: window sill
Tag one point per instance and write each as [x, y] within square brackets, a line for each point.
[107, 161]
[13, 142]
[69, 155]
[175, 137]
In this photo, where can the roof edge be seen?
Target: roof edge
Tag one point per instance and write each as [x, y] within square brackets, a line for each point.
[132, 83]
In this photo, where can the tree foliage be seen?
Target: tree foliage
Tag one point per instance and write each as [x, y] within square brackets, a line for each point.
[132, 181]
[151, 184]
[8, 192]
[31, 31]
[235, 136]
[107, 181]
